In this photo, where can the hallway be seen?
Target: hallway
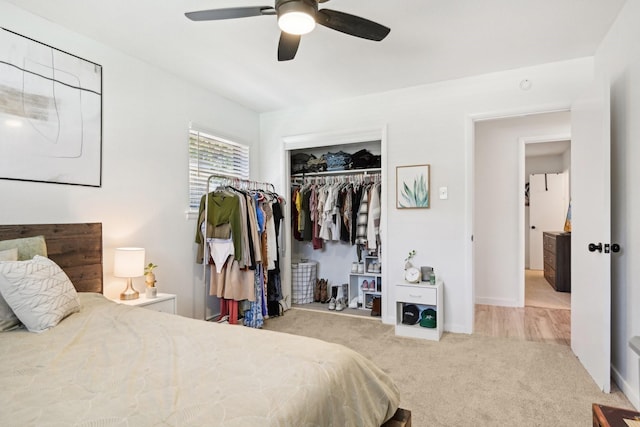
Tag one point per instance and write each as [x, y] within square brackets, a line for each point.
[546, 316]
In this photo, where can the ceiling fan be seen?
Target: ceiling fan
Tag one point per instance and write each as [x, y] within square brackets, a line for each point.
[298, 17]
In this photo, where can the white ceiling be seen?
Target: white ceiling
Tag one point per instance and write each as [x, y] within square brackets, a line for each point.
[430, 40]
[551, 148]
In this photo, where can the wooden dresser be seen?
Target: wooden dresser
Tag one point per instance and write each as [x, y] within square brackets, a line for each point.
[557, 260]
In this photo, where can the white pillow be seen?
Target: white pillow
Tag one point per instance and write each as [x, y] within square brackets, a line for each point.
[8, 319]
[38, 292]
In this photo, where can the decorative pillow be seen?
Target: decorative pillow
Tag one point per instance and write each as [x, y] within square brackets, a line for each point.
[9, 255]
[28, 247]
[38, 292]
[8, 319]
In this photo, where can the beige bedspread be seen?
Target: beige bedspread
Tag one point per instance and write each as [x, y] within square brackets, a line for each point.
[115, 365]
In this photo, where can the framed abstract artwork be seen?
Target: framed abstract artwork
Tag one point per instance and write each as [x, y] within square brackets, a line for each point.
[50, 114]
[412, 187]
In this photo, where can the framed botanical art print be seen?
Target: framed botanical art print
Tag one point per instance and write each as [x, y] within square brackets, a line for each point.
[412, 187]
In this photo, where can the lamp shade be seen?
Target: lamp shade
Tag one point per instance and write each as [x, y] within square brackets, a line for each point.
[297, 17]
[128, 262]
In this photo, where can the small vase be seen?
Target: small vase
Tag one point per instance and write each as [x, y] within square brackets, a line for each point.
[151, 292]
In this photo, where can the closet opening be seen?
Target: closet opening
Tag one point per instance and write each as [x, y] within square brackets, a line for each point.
[332, 267]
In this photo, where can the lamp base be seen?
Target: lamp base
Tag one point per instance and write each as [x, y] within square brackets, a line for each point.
[129, 292]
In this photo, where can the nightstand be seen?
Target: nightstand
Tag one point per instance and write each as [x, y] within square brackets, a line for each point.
[423, 297]
[165, 303]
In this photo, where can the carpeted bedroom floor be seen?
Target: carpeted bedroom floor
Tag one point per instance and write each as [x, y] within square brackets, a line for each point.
[466, 380]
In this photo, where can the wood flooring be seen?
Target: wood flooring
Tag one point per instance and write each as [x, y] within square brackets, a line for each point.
[528, 323]
[546, 316]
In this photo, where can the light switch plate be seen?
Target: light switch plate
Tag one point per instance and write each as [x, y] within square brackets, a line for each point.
[444, 193]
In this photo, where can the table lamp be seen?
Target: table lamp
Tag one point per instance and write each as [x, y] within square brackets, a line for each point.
[129, 263]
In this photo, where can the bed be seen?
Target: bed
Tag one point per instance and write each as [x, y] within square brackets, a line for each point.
[108, 364]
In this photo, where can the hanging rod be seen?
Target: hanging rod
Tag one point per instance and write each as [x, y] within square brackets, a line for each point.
[239, 182]
[332, 179]
[339, 172]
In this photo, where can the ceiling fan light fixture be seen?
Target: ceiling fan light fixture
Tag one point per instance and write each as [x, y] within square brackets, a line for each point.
[297, 17]
[296, 23]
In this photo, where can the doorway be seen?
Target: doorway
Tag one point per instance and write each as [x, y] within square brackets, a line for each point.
[547, 169]
[500, 258]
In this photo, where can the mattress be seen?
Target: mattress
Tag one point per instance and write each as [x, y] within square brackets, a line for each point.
[116, 365]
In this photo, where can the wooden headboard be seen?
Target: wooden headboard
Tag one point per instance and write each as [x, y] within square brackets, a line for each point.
[76, 248]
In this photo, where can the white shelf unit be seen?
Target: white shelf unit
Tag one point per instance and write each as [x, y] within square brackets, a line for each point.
[423, 296]
[371, 275]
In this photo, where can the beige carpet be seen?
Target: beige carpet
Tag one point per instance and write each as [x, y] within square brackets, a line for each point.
[539, 293]
[466, 380]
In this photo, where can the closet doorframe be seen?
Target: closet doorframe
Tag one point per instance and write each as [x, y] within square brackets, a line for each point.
[329, 139]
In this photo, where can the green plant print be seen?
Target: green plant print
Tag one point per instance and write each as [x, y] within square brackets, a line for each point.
[416, 197]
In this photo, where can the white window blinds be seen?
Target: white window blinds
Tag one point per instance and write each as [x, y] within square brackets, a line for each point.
[209, 155]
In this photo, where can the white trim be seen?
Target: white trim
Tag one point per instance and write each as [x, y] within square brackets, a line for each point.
[470, 121]
[326, 139]
[376, 132]
[522, 163]
[625, 387]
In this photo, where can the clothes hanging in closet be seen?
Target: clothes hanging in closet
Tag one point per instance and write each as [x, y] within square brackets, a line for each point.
[241, 239]
[347, 212]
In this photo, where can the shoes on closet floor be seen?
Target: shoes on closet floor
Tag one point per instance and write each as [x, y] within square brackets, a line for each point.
[324, 296]
[339, 305]
[332, 303]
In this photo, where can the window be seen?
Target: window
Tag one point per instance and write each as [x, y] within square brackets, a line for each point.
[209, 155]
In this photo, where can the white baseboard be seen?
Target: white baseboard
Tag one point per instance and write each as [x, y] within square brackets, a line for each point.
[625, 387]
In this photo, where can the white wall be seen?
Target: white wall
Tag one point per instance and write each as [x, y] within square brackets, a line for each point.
[618, 60]
[499, 242]
[143, 198]
[430, 124]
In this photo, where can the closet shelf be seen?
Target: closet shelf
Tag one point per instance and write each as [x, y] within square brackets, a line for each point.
[340, 172]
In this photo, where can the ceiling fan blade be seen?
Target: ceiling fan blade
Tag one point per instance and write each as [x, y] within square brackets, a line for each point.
[288, 46]
[351, 24]
[230, 13]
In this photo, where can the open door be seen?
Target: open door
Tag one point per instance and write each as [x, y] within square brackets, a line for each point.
[591, 234]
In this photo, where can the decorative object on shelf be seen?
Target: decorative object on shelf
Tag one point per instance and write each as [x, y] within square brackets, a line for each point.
[426, 271]
[150, 280]
[129, 263]
[149, 275]
[412, 187]
[151, 292]
[412, 275]
[407, 260]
